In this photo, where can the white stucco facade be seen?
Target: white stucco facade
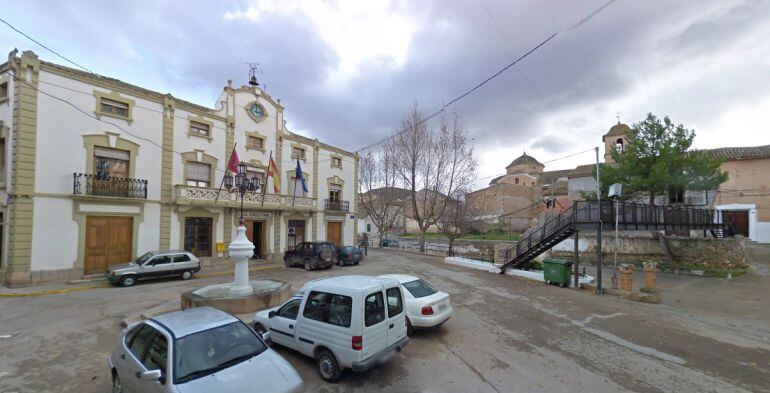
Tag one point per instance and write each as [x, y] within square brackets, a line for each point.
[118, 170]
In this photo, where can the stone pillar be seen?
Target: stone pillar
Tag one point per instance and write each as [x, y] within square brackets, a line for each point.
[650, 276]
[626, 277]
[240, 251]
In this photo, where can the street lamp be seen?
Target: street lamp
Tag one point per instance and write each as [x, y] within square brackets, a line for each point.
[241, 184]
[614, 193]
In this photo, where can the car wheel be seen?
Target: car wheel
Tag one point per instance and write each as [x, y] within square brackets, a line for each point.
[128, 281]
[339, 261]
[328, 368]
[307, 266]
[187, 275]
[117, 387]
[409, 328]
[286, 262]
[355, 263]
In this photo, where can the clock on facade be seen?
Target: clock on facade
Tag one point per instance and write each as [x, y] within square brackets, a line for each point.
[256, 111]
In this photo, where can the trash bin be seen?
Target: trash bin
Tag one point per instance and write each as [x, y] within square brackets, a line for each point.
[557, 271]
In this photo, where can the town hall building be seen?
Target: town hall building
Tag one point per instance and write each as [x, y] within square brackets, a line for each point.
[95, 171]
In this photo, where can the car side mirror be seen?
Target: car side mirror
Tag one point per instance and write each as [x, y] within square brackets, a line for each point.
[271, 314]
[266, 337]
[151, 376]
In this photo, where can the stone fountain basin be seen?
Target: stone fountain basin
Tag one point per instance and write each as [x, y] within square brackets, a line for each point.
[267, 294]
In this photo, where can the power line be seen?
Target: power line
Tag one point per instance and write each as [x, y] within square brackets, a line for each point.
[498, 73]
[45, 47]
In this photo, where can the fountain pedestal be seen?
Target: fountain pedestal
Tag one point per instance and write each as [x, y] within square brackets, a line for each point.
[241, 296]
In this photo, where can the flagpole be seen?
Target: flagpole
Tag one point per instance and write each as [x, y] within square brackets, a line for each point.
[267, 175]
[223, 177]
[294, 197]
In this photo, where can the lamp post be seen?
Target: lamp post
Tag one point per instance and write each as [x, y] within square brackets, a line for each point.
[614, 193]
[241, 249]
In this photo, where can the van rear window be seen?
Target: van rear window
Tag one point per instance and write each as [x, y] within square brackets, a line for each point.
[374, 309]
[329, 308]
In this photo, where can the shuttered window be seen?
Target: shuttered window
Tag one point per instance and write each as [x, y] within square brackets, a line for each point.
[199, 128]
[198, 174]
[113, 107]
[109, 163]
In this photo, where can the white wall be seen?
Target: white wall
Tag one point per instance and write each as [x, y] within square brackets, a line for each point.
[149, 229]
[60, 130]
[55, 235]
[184, 143]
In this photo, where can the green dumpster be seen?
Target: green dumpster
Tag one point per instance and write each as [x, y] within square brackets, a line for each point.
[557, 271]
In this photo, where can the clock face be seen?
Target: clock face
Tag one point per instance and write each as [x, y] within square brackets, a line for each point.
[257, 111]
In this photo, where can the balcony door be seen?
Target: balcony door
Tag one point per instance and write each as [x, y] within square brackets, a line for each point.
[197, 235]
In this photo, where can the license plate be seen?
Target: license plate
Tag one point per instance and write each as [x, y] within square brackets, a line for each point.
[441, 308]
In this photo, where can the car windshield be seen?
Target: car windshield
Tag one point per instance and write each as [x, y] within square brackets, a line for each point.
[144, 258]
[419, 288]
[203, 353]
[350, 249]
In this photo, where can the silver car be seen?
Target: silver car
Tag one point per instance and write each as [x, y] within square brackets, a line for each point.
[200, 349]
[155, 264]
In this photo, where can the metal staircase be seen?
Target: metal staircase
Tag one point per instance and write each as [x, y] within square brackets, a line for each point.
[586, 215]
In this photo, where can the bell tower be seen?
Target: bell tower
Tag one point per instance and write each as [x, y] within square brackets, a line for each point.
[615, 139]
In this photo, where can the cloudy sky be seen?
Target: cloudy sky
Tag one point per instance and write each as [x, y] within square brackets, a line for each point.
[347, 70]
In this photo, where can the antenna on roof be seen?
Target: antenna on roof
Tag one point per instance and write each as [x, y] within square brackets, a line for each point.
[254, 69]
[617, 115]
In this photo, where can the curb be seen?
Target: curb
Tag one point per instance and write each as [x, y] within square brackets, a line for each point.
[107, 284]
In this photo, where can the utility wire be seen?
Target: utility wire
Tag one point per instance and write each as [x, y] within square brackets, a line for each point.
[498, 73]
[45, 47]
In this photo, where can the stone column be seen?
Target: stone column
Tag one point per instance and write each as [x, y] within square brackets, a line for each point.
[240, 251]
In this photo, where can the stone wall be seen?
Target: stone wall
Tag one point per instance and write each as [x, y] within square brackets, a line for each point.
[637, 247]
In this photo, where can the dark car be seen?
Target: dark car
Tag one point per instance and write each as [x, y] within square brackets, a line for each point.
[311, 255]
[349, 255]
[389, 243]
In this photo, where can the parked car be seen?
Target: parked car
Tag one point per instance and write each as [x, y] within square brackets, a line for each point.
[389, 243]
[154, 264]
[200, 349]
[344, 322]
[349, 255]
[311, 255]
[425, 306]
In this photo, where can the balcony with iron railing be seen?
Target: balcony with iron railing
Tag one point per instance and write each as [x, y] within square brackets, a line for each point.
[337, 206]
[191, 195]
[105, 186]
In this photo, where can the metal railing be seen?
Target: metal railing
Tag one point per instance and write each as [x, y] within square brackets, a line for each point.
[85, 184]
[340, 206]
[631, 216]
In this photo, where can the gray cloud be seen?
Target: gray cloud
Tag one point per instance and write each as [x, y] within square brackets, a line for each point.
[190, 50]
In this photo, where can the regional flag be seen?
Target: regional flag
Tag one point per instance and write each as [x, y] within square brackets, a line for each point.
[272, 170]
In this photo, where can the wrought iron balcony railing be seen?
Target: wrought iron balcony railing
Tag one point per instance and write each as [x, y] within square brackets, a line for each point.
[340, 206]
[191, 195]
[85, 184]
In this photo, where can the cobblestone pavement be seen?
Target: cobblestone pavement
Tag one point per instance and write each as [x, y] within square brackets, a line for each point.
[507, 335]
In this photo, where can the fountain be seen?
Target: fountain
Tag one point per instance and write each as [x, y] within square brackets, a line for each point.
[241, 296]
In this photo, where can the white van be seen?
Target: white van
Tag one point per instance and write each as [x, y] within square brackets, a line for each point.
[343, 322]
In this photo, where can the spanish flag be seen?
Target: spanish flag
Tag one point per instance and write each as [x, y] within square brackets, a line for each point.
[272, 170]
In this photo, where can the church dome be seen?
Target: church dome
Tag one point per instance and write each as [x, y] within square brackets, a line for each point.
[617, 130]
[524, 159]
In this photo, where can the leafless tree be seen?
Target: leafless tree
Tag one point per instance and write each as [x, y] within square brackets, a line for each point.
[432, 165]
[459, 218]
[378, 194]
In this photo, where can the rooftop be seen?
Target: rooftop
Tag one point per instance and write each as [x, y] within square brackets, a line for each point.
[617, 129]
[740, 153]
[525, 159]
[193, 320]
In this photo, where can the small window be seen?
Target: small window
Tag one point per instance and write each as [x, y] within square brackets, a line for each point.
[368, 227]
[619, 145]
[337, 162]
[201, 129]
[676, 196]
[329, 308]
[141, 342]
[181, 258]
[112, 107]
[198, 174]
[255, 142]
[157, 355]
[161, 260]
[3, 91]
[297, 153]
[290, 309]
[394, 302]
[515, 180]
[374, 309]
